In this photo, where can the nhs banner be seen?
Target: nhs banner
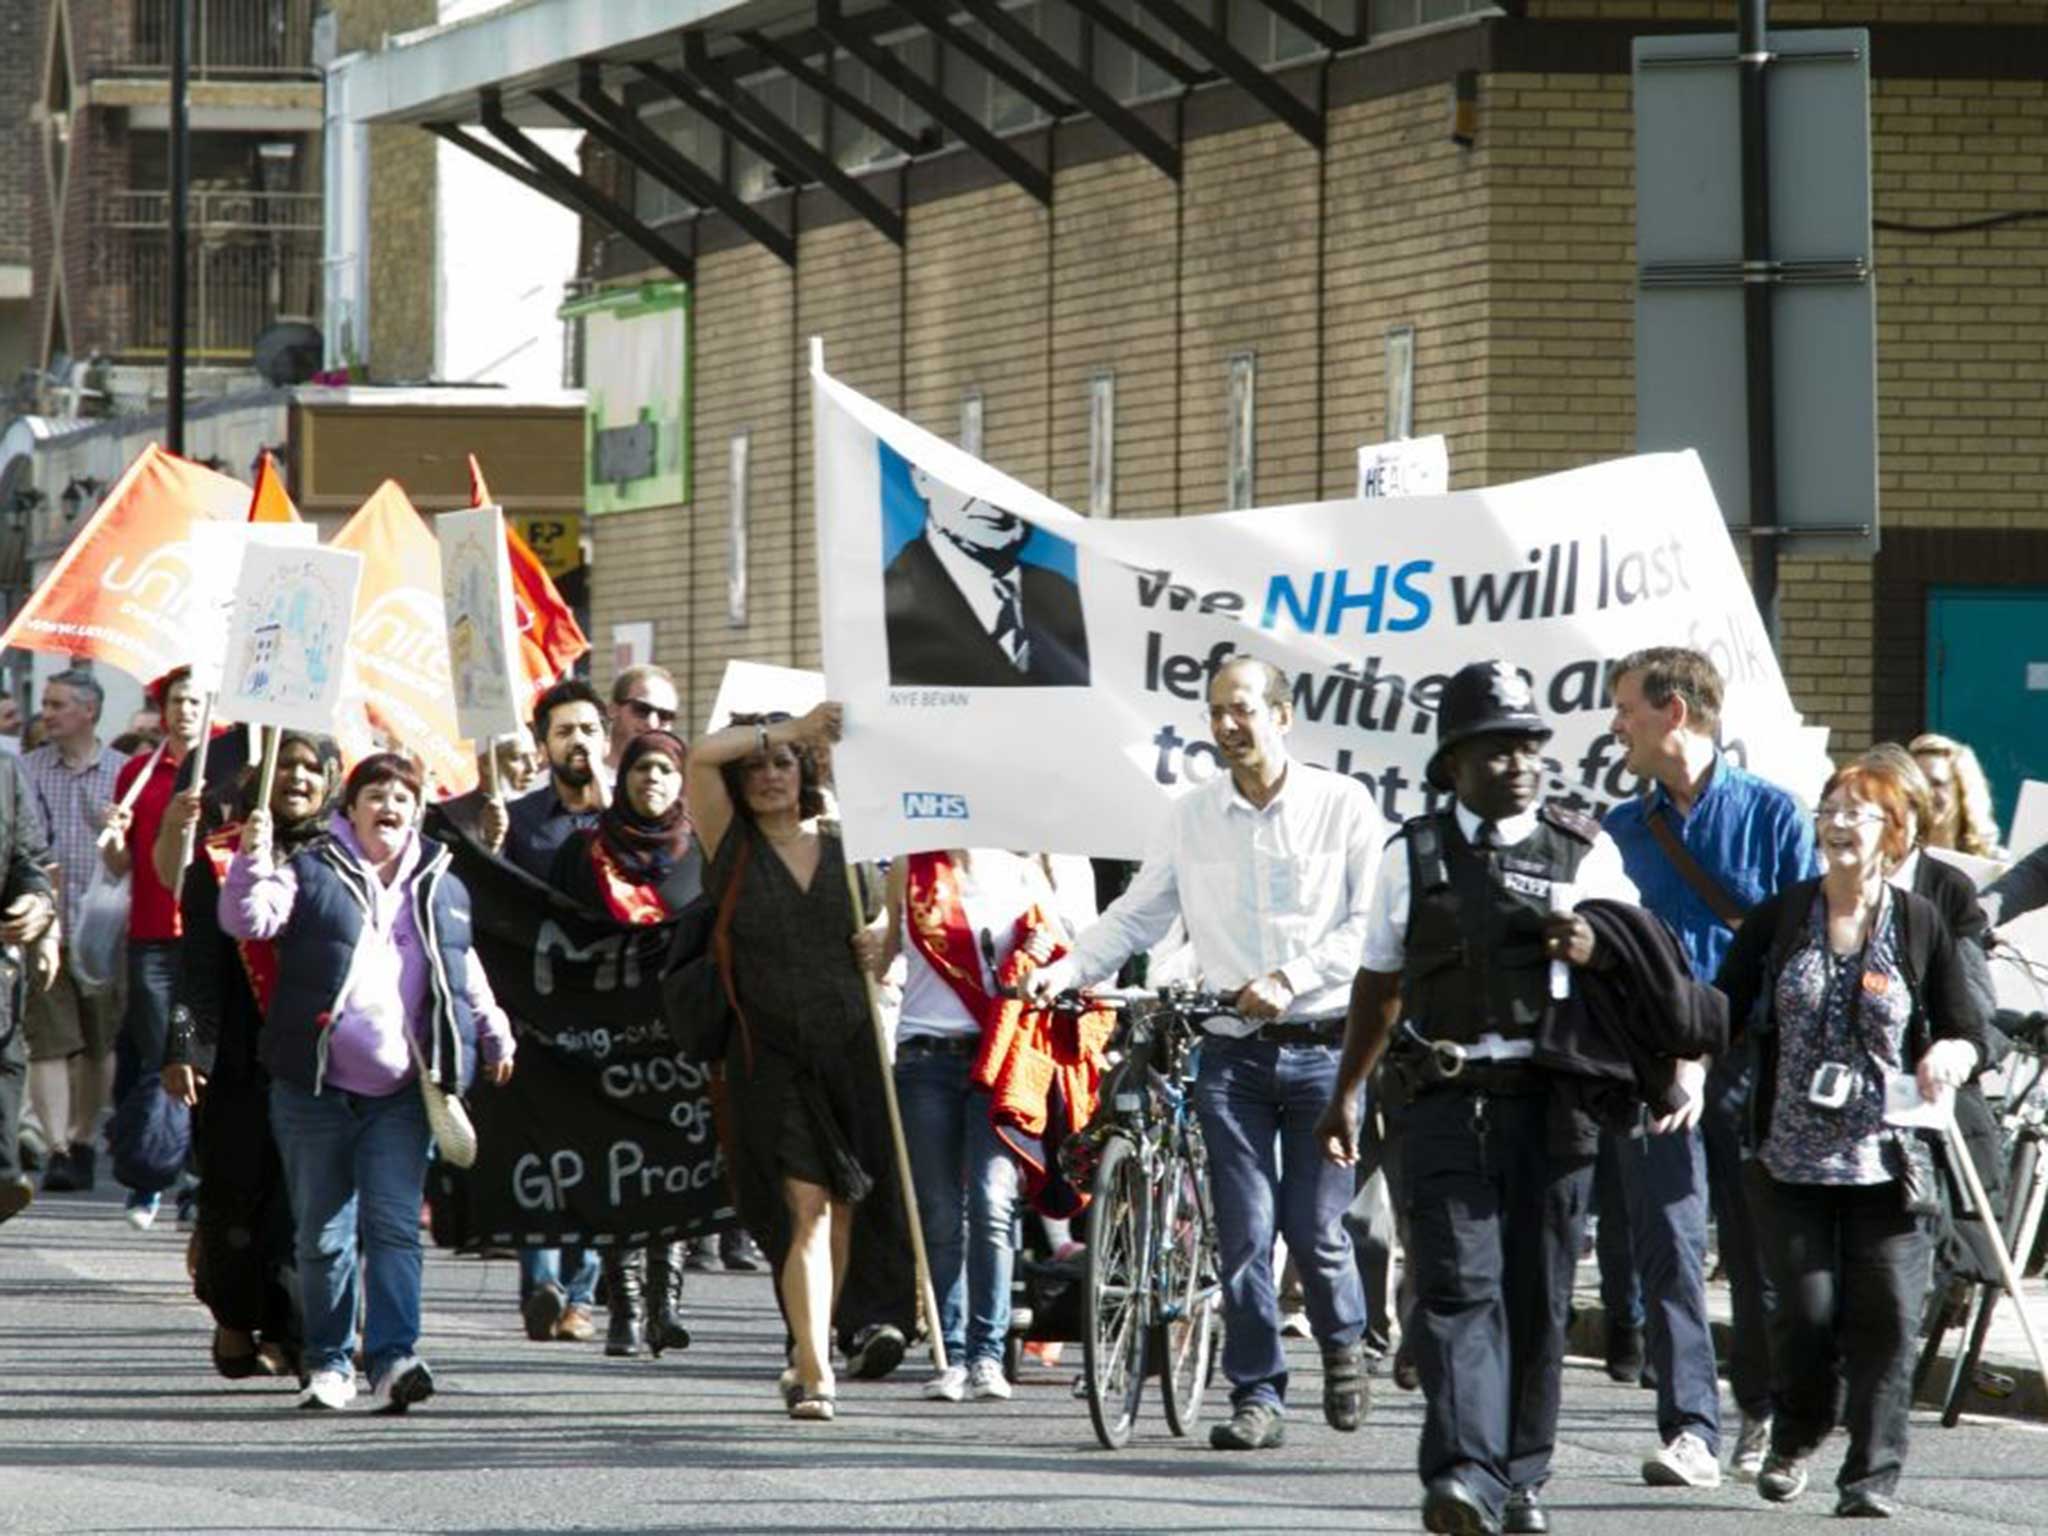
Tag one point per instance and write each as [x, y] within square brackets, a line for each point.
[1018, 676]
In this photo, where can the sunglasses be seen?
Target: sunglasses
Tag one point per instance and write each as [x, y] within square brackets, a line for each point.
[653, 712]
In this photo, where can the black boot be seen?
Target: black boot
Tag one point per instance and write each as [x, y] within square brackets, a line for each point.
[665, 1328]
[626, 1271]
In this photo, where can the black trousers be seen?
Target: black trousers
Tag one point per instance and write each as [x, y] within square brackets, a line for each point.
[1748, 1363]
[1850, 1269]
[1494, 1219]
[13, 1083]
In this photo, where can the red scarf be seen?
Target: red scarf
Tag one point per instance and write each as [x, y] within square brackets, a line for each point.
[259, 956]
[937, 920]
[628, 900]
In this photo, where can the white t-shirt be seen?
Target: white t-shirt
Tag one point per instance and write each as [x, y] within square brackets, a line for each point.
[995, 890]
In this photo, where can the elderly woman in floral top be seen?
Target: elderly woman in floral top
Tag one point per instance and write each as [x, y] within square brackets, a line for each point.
[1855, 991]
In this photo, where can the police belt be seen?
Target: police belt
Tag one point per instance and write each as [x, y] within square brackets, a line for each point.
[1488, 1065]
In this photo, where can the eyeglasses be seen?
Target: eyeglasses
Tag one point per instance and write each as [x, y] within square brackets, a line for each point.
[1848, 815]
[654, 712]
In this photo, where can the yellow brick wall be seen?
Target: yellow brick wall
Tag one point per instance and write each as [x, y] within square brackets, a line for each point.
[1801, 13]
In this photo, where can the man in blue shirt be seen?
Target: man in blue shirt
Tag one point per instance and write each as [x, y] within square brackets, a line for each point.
[1707, 843]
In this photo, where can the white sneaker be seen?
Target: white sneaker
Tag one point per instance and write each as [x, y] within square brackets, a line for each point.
[1683, 1462]
[329, 1389]
[405, 1381]
[948, 1386]
[1751, 1446]
[985, 1378]
[1294, 1324]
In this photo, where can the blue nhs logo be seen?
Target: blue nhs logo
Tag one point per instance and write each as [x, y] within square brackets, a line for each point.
[927, 805]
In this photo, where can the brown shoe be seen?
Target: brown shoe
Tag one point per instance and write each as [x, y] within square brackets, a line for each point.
[16, 1195]
[576, 1325]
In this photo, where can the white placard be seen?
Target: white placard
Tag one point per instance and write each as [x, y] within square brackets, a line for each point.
[1071, 727]
[288, 644]
[216, 567]
[1412, 466]
[1981, 871]
[2029, 819]
[632, 644]
[483, 632]
[756, 688]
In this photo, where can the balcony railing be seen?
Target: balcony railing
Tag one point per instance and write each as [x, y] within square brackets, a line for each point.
[228, 38]
[255, 259]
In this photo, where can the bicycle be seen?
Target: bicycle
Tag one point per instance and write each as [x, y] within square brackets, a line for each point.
[1153, 1288]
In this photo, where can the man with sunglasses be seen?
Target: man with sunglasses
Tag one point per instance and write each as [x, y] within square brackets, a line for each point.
[643, 699]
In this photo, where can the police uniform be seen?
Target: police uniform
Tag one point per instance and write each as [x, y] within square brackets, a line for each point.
[1496, 1203]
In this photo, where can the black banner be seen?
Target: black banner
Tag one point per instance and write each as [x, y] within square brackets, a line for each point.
[606, 1131]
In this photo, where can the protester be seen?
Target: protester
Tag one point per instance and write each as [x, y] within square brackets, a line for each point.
[639, 865]
[643, 699]
[244, 1271]
[71, 1028]
[1460, 948]
[376, 985]
[28, 949]
[10, 723]
[153, 920]
[1854, 983]
[1703, 845]
[1963, 815]
[804, 1072]
[1271, 868]
[557, 1286]
[957, 918]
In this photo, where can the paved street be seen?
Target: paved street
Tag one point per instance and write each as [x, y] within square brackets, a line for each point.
[111, 1420]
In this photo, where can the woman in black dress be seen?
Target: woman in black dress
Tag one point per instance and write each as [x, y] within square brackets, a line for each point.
[809, 1136]
[638, 865]
[244, 1269]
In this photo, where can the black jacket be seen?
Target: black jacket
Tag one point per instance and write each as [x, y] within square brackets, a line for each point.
[24, 870]
[1954, 896]
[935, 639]
[1630, 1015]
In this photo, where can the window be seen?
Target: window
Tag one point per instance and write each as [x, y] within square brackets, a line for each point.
[1405, 15]
[1124, 72]
[1241, 470]
[856, 146]
[797, 106]
[1102, 445]
[696, 141]
[1266, 38]
[1400, 382]
[736, 531]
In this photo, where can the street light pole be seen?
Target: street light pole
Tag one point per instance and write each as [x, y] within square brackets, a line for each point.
[1753, 51]
[181, 184]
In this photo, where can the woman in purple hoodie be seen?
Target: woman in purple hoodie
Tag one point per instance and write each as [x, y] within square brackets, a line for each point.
[376, 984]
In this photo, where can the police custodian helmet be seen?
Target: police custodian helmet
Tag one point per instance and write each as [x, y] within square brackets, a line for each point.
[1484, 697]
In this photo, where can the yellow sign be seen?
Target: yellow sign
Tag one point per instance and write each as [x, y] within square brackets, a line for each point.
[555, 538]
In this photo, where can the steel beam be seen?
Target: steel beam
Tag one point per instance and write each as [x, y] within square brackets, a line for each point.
[935, 16]
[820, 80]
[1304, 20]
[1256, 83]
[1138, 40]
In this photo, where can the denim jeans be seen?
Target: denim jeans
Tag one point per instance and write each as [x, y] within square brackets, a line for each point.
[967, 1187]
[574, 1269]
[1665, 1178]
[355, 1165]
[146, 1025]
[1258, 1105]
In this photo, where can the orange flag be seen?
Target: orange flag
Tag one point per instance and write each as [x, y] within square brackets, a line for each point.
[122, 592]
[398, 645]
[270, 503]
[550, 639]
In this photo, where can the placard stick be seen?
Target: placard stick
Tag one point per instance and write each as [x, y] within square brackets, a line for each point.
[1959, 1158]
[108, 836]
[927, 1298]
[266, 777]
[491, 785]
[191, 837]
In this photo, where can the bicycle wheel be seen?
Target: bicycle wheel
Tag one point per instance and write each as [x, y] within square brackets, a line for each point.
[1185, 1340]
[1113, 1338]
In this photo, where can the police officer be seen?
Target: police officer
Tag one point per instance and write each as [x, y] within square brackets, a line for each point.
[1466, 949]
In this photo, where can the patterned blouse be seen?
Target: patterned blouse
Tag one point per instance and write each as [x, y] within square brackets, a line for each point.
[1851, 1009]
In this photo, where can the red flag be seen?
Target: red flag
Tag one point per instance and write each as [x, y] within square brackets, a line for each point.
[550, 639]
[270, 503]
[122, 591]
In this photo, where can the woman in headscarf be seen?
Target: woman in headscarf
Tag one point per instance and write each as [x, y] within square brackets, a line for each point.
[243, 1264]
[639, 865]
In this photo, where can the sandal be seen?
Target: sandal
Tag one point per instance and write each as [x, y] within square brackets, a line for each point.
[815, 1404]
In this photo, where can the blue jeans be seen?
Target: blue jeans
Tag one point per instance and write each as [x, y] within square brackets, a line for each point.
[1665, 1178]
[967, 1185]
[355, 1166]
[1258, 1104]
[548, 1266]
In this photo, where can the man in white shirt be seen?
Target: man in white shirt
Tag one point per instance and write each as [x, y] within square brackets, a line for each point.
[1271, 866]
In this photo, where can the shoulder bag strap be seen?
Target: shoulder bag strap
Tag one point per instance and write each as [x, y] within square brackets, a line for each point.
[1704, 885]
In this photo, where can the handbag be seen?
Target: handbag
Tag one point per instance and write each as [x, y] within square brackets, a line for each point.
[1912, 1163]
[698, 1004]
[447, 1116]
[150, 1137]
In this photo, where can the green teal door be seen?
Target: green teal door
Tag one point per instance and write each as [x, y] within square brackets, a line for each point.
[1987, 681]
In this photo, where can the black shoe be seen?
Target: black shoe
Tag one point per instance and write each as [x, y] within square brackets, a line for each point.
[627, 1273]
[1347, 1397]
[1407, 1374]
[876, 1350]
[703, 1254]
[30, 1151]
[16, 1195]
[59, 1175]
[740, 1252]
[542, 1310]
[1624, 1353]
[665, 1328]
[1449, 1508]
[85, 1162]
[1863, 1504]
[1254, 1426]
[1524, 1516]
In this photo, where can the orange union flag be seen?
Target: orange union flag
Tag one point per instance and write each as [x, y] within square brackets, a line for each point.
[122, 593]
[398, 645]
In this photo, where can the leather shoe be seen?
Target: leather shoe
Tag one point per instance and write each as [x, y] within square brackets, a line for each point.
[1449, 1508]
[1524, 1516]
[1254, 1426]
[1407, 1375]
[1347, 1396]
[1624, 1354]
[1863, 1504]
[15, 1197]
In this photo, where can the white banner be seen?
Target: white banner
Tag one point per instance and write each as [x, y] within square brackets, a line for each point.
[1067, 727]
[1409, 466]
[483, 624]
[289, 639]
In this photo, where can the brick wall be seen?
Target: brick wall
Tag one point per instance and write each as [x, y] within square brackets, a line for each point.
[403, 184]
[20, 74]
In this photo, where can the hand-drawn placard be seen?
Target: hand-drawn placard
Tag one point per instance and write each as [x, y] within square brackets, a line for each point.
[289, 638]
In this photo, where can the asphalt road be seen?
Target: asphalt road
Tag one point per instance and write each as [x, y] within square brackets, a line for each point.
[112, 1420]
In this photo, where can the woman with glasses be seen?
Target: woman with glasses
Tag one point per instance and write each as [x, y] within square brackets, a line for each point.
[1858, 999]
[809, 1134]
